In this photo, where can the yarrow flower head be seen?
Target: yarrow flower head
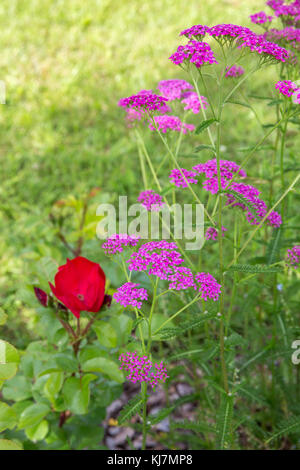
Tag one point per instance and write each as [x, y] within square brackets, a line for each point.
[157, 258]
[130, 295]
[261, 18]
[251, 194]
[288, 35]
[192, 102]
[198, 31]
[144, 100]
[286, 87]
[212, 233]
[173, 89]
[182, 178]
[150, 200]
[197, 53]
[117, 242]
[227, 170]
[181, 279]
[208, 286]
[170, 123]
[141, 369]
[234, 71]
[293, 256]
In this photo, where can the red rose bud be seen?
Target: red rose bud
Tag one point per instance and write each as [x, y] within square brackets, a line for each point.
[80, 285]
[41, 296]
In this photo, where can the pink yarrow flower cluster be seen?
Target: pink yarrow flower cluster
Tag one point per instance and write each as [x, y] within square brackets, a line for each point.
[289, 35]
[261, 18]
[144, 100]
[192, 102]
[212, 233]
[230, 32]
[204, 283]
[141, 369]
[182, 178]
[286, 87]
[194, 52]
[130, 295]
[228, 169]
[173, 89]
[251, 194]
[170, 123]
[117, 242]
[150, 200]
[293, 256]
[208, 286]
[234, 71]
[158, 258]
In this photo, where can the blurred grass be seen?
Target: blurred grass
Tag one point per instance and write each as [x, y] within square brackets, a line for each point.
[66, 64]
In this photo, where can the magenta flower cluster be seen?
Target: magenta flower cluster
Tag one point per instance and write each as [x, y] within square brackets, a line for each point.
[194, 52]
[182, 178]
[234, 71]
[293, 256]
[117, 242]
[181, 279]
[228, 32]
[212, 233]
[286, 87]
[145, 100]
[258, 206]
[141, 369]
[208, 286]
[170, 123]
[130, 295]
[261, 18]
[150, 200]
[289, 35]
[158, 258]
[173, 89]
[192, 102]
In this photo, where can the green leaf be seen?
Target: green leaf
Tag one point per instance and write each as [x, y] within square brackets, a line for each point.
[105, 366]
[37, 432]
[204, 147]
[66, 363]
[196, 426]
[204, 125]
[196, 322]
[53, 385]
[286, 427]
[33, 415]
[240, 103]
[157, 320]
[17, 389]
[132, 408]
[273, 250]
[224, 419]
[106, 334]
[3, 317]
[76, 393]
[8, 418]
[9, 360]
[123, 326]
[5, 444]
[255, 268]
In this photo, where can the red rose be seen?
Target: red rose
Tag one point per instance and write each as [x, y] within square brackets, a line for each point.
[80, 285]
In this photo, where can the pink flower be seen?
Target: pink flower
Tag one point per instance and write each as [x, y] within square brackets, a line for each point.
[172, 89]
[293, 256]
[286, 87]
[212, 233]
[234, 71]
[208, 286]
[170, 123]
[150, 200]
[261, 18]
[129, 295]
[141, 369]
[182, 177]
[144, 100]
[197, 53]
[192, 102]
[117, 242]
